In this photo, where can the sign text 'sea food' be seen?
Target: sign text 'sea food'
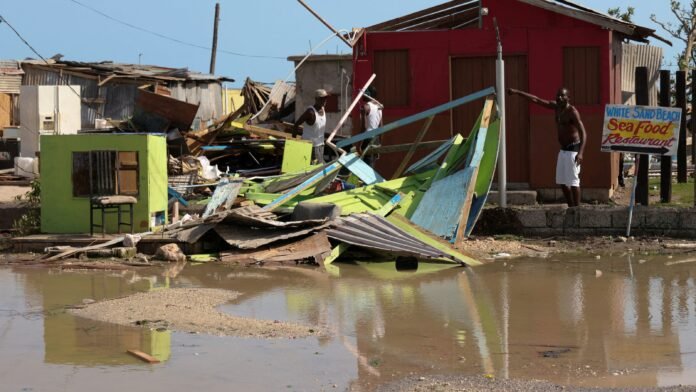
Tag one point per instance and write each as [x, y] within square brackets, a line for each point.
[641, 129]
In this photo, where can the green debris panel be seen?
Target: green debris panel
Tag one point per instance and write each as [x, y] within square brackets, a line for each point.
[297, 156]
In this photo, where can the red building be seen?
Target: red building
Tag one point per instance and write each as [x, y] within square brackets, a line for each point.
[433, 56]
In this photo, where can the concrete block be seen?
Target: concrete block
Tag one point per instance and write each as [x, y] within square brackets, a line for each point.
[593, 217]
[619, 217]
[555, 218]
[661, 218]
[514, 198]
[532, 217]
[687, 218]
[571, 217]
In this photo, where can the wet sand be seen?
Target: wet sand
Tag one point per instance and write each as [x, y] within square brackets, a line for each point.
[188, 310]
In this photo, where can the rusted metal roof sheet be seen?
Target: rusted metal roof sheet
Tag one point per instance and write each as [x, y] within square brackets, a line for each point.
[633, 56]
[373, 232]
[115, 98]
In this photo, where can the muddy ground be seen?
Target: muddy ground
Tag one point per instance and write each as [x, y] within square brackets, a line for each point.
[491, 384]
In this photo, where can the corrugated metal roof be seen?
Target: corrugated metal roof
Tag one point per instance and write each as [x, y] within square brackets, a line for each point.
[371, 231]
[135, 71]
[633, 56]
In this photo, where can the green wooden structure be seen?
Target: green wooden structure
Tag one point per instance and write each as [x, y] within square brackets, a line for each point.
[136, 165]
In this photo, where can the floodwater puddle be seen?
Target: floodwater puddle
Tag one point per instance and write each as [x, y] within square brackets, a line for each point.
[619, 321]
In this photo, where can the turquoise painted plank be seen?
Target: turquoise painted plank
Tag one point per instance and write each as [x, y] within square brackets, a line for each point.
[416, 117]
[439, 209]
[286, 197]
[362, 170]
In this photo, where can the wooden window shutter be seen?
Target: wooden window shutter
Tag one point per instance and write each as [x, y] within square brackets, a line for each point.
[128, 170]
[581, 75]
[393, 83]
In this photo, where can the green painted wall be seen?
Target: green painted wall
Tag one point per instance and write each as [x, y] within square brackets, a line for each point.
[61, 212]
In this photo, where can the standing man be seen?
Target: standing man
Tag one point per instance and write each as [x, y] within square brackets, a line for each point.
[572, 138]
[314, 128]
[370, 118]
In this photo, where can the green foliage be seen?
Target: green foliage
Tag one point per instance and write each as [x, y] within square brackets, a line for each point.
[625, 16]
[30, 222]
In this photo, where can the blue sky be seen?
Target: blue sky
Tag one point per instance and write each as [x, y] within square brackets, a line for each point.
[276, 28]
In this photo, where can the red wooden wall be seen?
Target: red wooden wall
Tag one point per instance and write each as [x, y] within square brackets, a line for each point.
[529, 31]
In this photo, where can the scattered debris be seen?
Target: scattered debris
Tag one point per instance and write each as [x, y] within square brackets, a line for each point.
[170, 252]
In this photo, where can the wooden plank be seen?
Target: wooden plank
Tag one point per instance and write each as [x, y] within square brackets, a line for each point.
[476, 160]
[416, 117]
[265, 131]
[395, 23]
[143, 356]
[325, 172]
[414, 146]
[431, 144]
[327, 24]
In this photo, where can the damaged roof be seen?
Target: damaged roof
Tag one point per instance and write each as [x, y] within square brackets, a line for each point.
[128, 71]
[459, 14]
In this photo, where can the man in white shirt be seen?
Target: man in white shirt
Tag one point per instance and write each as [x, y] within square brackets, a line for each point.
[314, 125]
[370, 118]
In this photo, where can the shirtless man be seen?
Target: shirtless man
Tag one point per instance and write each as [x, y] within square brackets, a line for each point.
[571, 136]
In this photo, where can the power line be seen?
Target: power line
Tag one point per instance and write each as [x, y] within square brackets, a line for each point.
[60, 75]
[132, 26]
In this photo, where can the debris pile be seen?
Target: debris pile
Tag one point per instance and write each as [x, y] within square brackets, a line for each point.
[290, 211]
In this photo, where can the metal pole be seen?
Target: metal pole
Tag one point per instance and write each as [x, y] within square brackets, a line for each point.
[500, 89]
[215, 38]
[327, 24]
[632, 204]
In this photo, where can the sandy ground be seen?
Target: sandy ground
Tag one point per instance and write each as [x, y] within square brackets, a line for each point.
[484, 384]
[8, 193]
[188, 310]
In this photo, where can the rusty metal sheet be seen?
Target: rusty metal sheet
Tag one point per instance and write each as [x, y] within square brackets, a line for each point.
[253, 238]
[257, 217]
[158, 113]
[316, 246]
[376, 233]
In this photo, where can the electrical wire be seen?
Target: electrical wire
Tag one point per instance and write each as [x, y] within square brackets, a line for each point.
[60, 75]
[156, 34]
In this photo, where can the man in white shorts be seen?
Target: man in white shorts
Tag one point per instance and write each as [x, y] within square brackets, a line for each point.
[572, 138]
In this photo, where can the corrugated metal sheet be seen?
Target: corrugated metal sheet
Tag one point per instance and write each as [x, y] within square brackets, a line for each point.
[633, 56]
[10, 76]
[374, 232]
[208, 97]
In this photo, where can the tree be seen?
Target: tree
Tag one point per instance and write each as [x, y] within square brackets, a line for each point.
[684, 30]
[625, 16]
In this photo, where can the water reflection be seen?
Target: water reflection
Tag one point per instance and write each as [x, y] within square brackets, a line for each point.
[79, 341]
[635, 325]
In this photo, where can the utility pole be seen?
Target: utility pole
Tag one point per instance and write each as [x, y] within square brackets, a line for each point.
[215, 38]
[500, 96]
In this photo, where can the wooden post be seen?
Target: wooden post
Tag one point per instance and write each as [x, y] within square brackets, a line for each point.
[665, 161]
[681, 103]
[641, 88]
[693, 127]
[322, 20]
[213, 54]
